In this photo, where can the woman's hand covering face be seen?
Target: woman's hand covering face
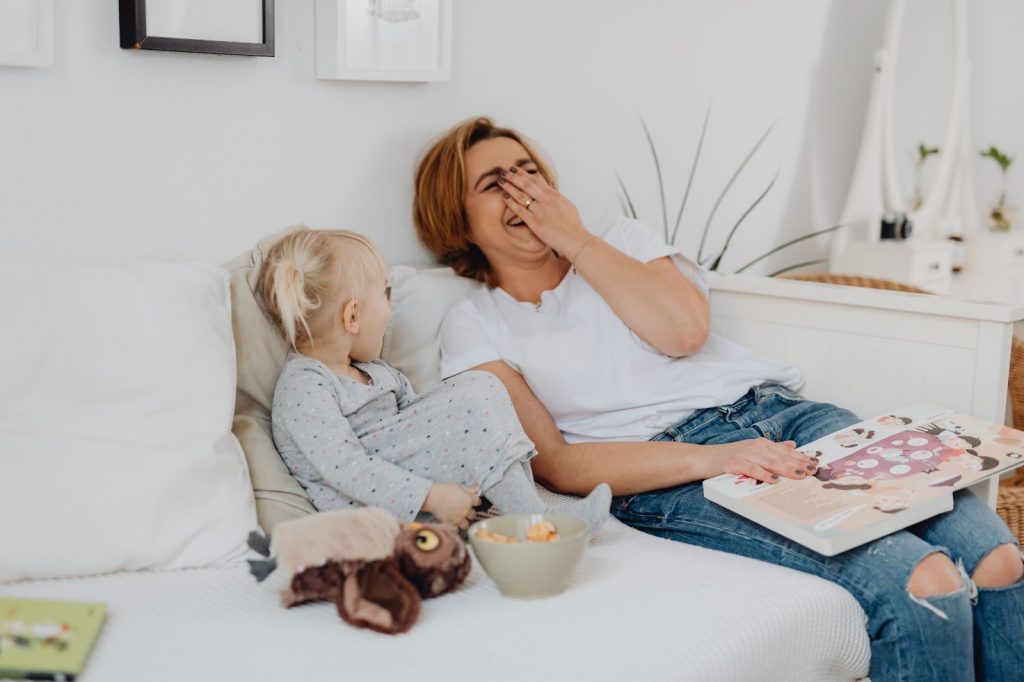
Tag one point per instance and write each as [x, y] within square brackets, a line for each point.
[545, 211]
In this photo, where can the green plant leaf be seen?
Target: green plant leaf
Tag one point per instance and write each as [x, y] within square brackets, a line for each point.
[1003, 160]
[728, 239]
[718, 202]
[657, 168]
[622, 205]
[693, 172]
[710, 258]
[625, 193]
[810, 235]
[924, 151]
[798, 265]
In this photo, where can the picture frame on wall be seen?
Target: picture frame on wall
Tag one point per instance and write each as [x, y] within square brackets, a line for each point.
[384, 40]
[240, 27]
[26, 32]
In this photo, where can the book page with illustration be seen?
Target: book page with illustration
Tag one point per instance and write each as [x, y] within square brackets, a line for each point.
[875, 477]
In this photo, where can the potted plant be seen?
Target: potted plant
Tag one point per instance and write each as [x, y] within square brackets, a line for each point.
[713, 260]
[923, 152]
[999, 215]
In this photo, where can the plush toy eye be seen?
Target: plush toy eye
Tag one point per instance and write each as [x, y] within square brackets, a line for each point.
[427, 540]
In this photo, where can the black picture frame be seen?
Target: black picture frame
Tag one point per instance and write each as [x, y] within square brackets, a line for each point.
[135, 37]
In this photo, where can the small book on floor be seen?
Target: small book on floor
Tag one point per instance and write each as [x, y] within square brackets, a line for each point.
[875, 477]
[47, 640]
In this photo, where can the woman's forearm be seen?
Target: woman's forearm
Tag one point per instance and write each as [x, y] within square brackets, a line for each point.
[658, 303]
[628, 467]
[653, 299]
[638, 466]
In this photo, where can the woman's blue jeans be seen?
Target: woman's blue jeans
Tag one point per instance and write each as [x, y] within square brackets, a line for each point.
[969, 634]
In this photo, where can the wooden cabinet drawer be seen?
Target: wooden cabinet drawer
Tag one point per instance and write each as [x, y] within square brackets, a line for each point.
[1013, 255]
[927, 265]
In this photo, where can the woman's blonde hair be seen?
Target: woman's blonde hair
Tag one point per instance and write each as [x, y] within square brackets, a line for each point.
[305, 272]
[438, 208]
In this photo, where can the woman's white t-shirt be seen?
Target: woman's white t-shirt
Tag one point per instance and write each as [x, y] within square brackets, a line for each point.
[599, 380]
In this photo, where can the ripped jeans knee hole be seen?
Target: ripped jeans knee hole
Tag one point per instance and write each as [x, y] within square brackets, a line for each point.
[966, 585]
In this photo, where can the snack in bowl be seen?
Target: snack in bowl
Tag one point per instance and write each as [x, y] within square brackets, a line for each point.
[538, 532]
[541, 532]
[530, 555]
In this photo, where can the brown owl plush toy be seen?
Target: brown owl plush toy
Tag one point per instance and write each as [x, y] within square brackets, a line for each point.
[375, 570]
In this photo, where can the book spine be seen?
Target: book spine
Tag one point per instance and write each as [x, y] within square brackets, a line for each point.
[6, 674]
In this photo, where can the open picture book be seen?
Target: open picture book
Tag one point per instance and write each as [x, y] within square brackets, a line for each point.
[875, 477]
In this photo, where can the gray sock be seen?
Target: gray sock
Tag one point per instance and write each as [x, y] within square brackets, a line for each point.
[515, 494]
[593, 508]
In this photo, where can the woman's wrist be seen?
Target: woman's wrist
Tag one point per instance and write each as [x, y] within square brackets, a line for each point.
[584, 244]
[707, 461]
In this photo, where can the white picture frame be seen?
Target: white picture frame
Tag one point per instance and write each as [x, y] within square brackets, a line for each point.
[384, 40]
[26, 32]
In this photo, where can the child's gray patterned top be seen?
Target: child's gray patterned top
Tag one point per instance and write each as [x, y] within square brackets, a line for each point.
[351, 444]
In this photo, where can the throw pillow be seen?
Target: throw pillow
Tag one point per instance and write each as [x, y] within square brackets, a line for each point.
[261, 351]
[420, 298]
[115, 410]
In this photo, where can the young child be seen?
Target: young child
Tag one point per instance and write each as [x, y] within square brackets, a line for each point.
[351, 429]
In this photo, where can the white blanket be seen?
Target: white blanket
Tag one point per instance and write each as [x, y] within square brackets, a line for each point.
[638, 608]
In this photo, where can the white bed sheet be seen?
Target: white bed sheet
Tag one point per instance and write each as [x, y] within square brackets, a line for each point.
[639, 608]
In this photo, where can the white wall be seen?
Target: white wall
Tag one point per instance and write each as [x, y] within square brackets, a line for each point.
[998, 57]
[924, 79]
[171, 155]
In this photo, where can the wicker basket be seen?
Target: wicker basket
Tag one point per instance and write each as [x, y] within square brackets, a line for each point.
[1010, 504]
[856, 281]
[1017, 383]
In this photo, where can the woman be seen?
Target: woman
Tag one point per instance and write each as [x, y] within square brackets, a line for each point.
[603, 345]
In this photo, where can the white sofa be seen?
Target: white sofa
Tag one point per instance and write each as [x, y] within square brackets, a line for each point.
[638, 608]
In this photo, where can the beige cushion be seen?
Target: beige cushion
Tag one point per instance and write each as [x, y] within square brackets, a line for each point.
[420, 298]
[260, 351]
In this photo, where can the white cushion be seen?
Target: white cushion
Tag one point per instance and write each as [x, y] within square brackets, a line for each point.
[116, 401]
[637, 608]
[419, 301]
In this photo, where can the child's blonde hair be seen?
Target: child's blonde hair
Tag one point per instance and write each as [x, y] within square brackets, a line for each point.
[305, 271]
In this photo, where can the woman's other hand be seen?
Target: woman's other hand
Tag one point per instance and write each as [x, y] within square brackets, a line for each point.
[546, 211]
[452, 503]
[760, 459]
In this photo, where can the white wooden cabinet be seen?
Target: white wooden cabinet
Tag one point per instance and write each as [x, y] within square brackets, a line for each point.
[921, 263]
[989, 252]
[871, 350]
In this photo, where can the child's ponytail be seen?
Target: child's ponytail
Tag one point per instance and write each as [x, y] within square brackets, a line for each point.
[296, 275]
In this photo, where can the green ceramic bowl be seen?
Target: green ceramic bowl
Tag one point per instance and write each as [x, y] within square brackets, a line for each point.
[530, 569]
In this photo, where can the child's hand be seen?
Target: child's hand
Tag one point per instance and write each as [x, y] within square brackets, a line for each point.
[452, 503]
